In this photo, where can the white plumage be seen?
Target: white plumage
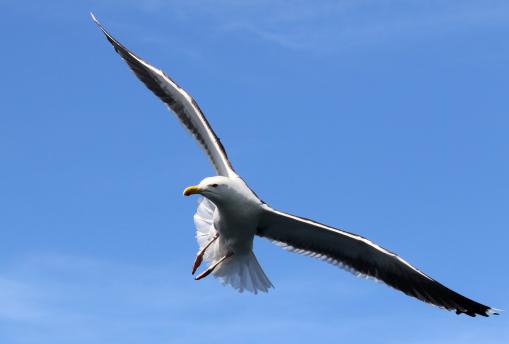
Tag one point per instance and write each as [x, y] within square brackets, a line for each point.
[242, 272]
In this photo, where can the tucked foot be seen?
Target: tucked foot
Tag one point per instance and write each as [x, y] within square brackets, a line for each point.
[213, 267]
[199, 255]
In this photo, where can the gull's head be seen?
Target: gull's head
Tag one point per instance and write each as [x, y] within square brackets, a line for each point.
[216, 188]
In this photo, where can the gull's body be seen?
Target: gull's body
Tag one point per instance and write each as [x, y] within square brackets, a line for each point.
[237, 216]
[230, 215]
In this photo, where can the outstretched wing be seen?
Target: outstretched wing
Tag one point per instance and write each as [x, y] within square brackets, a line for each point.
[178, 100]
[362, 257]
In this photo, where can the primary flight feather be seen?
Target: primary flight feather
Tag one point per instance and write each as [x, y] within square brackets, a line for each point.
[230, 214]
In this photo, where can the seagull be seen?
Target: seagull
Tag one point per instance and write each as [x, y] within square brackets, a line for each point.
[230, 215]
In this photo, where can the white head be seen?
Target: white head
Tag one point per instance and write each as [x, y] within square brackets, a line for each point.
[218, 189]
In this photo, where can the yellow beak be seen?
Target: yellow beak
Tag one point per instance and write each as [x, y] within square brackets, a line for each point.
[191, 190]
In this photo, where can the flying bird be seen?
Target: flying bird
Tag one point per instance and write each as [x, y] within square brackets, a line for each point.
[230, 215]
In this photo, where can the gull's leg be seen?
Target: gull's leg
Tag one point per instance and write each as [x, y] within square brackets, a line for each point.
[212, 267]
[199, 255]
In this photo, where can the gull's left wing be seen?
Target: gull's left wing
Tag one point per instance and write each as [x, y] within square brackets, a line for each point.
[362, 257]
[178, 100]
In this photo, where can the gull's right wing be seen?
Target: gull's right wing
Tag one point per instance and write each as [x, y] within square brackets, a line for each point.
[178, 100]
[362, 257]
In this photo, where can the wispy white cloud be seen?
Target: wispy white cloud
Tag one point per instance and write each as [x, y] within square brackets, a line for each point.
[53, 298]
[324, 26]
[63, 299]
[16, 301]
[60, 299]
[334, 25]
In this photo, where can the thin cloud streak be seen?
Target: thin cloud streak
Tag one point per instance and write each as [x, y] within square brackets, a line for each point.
[342, 23]
[60, 298]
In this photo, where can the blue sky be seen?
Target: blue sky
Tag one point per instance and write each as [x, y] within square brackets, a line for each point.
[387, 118]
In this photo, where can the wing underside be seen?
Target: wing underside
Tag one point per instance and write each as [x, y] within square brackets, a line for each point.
[179, 101]
[362, 257]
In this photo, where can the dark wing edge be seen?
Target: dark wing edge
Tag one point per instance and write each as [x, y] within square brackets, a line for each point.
[363, 258]
[179, 101]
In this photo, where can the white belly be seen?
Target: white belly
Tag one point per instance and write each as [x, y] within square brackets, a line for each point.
[236, 230]
[236, 215]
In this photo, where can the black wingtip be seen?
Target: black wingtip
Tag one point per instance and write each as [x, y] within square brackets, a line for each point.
[99, 25]
[119, 48]
[493, 311]
[485, 312]
[97, 21]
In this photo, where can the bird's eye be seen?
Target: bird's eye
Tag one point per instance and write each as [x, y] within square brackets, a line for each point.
[214, 185]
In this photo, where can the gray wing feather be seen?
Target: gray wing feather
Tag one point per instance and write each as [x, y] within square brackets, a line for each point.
[178, 100]
[362, 257]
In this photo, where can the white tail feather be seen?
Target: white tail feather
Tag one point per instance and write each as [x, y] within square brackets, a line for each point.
[242, 272]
